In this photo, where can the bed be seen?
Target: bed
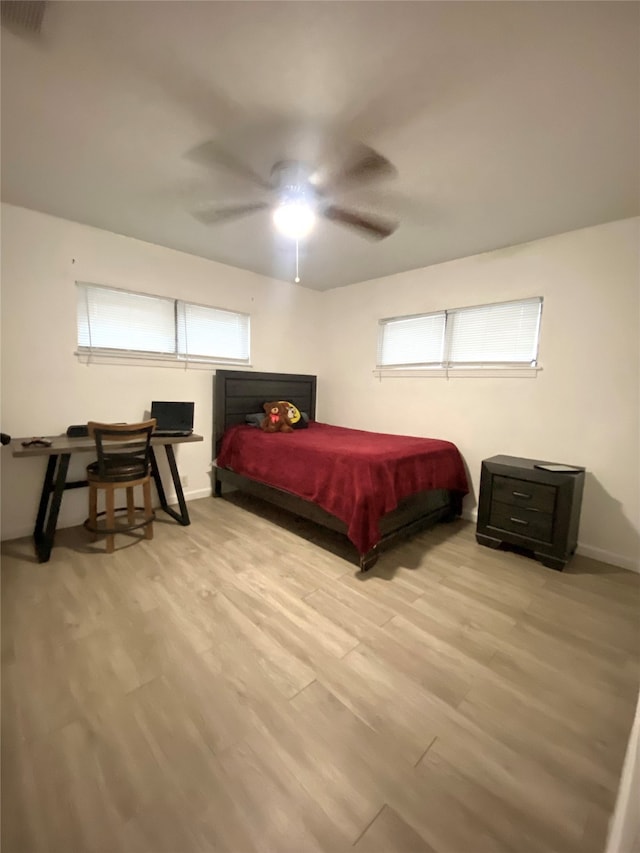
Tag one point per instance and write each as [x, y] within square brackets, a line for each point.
[372, 487]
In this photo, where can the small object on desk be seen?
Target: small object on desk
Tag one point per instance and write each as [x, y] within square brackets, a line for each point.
[78, 431]
[37, 442]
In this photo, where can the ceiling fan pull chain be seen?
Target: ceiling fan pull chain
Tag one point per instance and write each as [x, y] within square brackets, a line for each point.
[297, 278]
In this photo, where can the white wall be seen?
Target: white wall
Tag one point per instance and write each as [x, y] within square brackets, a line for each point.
[45, 388]
[583, 407]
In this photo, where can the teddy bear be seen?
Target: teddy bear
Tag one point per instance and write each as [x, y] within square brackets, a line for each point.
[277, 418]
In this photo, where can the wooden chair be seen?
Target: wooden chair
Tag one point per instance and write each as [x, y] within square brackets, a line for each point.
[122, 468]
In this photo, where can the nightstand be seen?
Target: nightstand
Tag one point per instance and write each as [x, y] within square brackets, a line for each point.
[530, 507]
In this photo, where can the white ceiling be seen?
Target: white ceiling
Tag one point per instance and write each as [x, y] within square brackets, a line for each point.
[506, 121]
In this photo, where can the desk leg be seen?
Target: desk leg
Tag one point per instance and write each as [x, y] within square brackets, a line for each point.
[183, 516]
[44, 497]
[50, 503]
[155, 473]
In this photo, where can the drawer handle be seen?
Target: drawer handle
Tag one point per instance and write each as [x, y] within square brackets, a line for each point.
[518, 521]
[520, 495]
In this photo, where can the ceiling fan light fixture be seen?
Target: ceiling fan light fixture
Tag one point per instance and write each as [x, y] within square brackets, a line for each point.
[294, 219]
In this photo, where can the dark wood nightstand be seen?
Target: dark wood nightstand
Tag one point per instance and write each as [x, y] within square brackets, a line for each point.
[530, 507]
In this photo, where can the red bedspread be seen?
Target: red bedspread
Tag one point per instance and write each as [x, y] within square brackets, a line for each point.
[355, 475]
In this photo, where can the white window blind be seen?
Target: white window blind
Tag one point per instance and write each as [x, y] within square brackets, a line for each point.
[122, 323]
[212, 333]
[502, 335]
[118, 320]
[412, 341]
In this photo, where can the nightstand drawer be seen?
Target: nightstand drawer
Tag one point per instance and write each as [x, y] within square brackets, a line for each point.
[525, 522]
[523, 493]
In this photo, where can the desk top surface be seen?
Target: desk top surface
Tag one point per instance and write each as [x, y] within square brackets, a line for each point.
[64, 444]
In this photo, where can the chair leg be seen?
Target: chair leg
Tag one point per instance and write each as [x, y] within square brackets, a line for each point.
[131, 507]
[148, 509]
[93, 511]
[110, 517]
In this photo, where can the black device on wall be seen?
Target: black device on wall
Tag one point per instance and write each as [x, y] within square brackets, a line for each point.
[172, 418]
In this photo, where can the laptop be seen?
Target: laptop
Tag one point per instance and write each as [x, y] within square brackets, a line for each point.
[172, 418]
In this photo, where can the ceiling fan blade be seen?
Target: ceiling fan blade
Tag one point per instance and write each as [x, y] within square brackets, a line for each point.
[215, 215]
[213, 154]
[373, 226]
[364, 166]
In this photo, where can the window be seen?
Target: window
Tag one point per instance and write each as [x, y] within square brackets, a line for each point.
[499, 336]
[119, 323]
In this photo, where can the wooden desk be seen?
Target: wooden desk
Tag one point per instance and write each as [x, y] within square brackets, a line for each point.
[55, 480]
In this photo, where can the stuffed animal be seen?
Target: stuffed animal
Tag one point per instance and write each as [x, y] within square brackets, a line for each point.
[277, 418]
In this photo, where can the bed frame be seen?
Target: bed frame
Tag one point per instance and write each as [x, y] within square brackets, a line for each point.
[237, 393]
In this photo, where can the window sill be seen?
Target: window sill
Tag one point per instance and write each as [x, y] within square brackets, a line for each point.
[459, 373]
[95, 358]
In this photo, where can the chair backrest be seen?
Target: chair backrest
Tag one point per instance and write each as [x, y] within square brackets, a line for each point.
[136, 436]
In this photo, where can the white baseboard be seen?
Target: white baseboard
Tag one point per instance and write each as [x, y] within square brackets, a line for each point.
[190, 496]
[608, 557]
[600, 554]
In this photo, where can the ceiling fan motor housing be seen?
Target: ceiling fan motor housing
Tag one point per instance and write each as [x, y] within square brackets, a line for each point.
[291, 180]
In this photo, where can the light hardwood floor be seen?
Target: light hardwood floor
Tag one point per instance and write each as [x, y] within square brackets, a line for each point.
[236, 686]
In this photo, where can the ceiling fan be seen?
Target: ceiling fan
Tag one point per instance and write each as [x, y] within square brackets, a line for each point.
[297, 193]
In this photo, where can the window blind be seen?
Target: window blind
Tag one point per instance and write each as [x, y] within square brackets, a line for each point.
[504, 334]
[412, 341]
[123, 323]
[213, 333]
[131, 322]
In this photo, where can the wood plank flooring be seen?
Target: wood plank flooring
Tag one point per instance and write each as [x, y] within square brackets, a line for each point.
[237, 686]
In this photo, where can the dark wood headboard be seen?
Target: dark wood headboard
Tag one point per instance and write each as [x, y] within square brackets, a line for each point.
[237, 393]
